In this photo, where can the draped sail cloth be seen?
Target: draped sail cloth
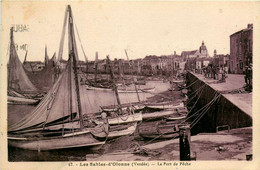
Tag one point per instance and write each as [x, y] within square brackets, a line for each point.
[58, 103]
[44, 80]
[61, 101]
[17, 78]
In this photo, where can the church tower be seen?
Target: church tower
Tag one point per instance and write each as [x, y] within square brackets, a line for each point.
[203, 50]
[215, 53]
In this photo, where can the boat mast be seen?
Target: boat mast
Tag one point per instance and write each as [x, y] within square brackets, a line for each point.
[132, 76]
[96, 65]
[74, 62]
[25, 57]
[114, 83]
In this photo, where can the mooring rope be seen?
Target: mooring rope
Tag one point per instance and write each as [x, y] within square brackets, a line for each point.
[191, 84]
[205, 111]
[201, 109]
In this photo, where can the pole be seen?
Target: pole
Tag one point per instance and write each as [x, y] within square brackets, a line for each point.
[184, 143]
[114, 83]
[132, 76]
[74, 66]
[96, 65]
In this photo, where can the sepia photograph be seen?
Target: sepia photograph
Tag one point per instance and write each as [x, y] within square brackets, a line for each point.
[128, 84]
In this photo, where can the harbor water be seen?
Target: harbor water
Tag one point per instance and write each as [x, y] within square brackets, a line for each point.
[93, 99]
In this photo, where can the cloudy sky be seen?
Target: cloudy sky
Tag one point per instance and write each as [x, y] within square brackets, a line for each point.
[143, 28]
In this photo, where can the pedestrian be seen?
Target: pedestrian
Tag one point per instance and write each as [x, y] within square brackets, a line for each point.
[217, 72]
[222, 73]
[250, 76]
[246, 75]
[214, 72]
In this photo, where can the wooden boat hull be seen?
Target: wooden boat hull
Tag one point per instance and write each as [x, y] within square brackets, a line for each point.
[121, 119]
[156, 115]
[98, 88]
[122, 132]
[134, 91]
[174, 118]
[113, 108]
[160, 130]
[171, 114]
[164, 105]
[21, 100]
[81, 139]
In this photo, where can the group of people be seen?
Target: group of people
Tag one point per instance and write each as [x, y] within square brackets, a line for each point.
[212, 71]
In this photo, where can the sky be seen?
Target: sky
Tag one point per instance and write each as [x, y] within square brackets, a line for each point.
[142, 28]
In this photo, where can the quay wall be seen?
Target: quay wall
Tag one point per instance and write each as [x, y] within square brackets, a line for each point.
[222, 112]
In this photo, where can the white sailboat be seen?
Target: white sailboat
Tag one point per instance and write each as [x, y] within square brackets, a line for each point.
[57, 122]
[18, 81]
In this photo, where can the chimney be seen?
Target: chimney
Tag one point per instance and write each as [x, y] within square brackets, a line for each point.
[250, 26]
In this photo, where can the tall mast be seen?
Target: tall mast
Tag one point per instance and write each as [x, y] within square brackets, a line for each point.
[74, 62]
[114, 83]
[96, 65]
[46, 56]
[25, 57]
[132, 76]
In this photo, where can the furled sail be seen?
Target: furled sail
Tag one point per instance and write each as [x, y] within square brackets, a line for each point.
[17, 78]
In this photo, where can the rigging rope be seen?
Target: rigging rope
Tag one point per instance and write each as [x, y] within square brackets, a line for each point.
[191, 84]
[85, 56]
[196, 90]
[217, 96]
[196, 100]
[194, 95]
[62, 36]
[201, 109]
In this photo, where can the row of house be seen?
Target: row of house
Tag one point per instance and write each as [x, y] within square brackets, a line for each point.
[240, 57]
[149, 65]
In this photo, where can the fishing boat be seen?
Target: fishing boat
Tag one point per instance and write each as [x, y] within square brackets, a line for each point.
[125, 118]
[121, 116]
[18, 81]
[139, 90]
[44, 79]
[134, 105]
[122, 130]
[52, 124]
[173, 114]
[165, 105]
[160, 130]
[101, 88]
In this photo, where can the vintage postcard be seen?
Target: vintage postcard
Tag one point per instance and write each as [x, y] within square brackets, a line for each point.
[136, 84]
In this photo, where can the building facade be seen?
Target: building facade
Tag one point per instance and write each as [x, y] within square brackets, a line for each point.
[241, 48]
